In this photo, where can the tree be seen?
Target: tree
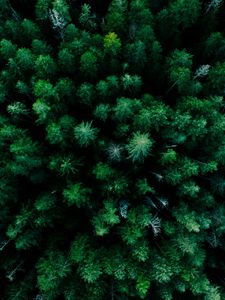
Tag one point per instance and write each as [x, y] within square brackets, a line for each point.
[179, 13]
[112, 43]
[30, 30]
[85, 133]
[180, 64]
[115, 19]
[45, 66]
[41, 9]
[213, 5]
[66, 61]
[25, 59]
[126, 108]
[7, 50]
[52, 270]
[58, 22]
[40, 47]
[86, 18]
[131, 83]
[216, 78]
[26, 156]
[214, 46]
[102, 111]
[76, 194]
[62, 7]
[139, 146]
[136, 55]
[44, 90]
[86, 93]
[88, 64]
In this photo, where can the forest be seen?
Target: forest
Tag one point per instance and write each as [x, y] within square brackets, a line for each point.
[112, 150]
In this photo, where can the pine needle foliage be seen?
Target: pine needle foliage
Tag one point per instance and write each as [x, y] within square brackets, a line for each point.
[112, 150]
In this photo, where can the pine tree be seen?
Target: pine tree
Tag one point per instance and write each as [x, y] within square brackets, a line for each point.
[139, 146]
[85, 133]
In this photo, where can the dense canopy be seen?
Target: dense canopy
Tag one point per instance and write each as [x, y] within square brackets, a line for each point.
[112, 149]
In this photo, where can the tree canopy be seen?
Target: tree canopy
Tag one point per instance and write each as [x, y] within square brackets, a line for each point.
[112, 143]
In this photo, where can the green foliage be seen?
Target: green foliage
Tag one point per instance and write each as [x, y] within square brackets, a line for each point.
[169, 156]
[88, 62]
[66, 60]
[102, 112]
[143, 187]
[52, 269]
[214, 45]
[178, 15]
[85, 93]
[44, 90]
[112, 150]
[79, 248]
[103, 171]
[112, 43]
[76, 194]
[126, 108]
[179, 66]
[62, 7]
[45, 66]
[142, 286]
[40, 47]
[85, 134]
[184, 14]
[7, 50]
[42, 110]
[17, 109]
[25, 156]
[131, 83]
[45, 202]
[90, 270]
[64, 165]
[41, 9]
[116, 20]
[30, 30]
[155, 116]
[139, 146]
[216, 78]
[136, 55]
[54, 133]
[25, 59]
[86, 18]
